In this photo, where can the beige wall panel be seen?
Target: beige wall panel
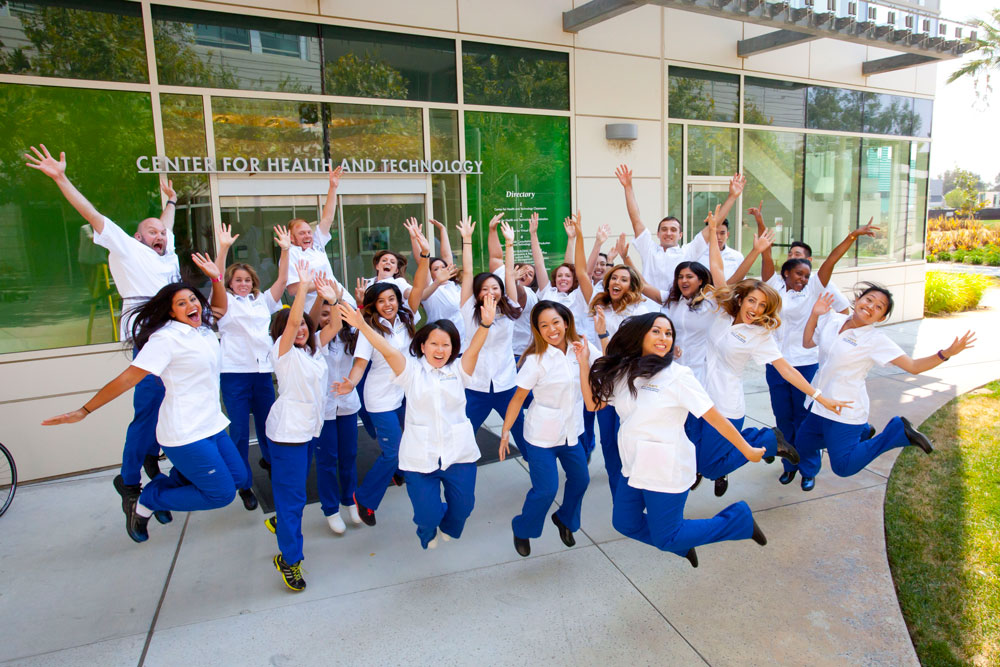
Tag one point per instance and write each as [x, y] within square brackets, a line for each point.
[912, 301]
[915, 273]
[636, 32]
[534, 20]
[697, 38]
[596, 156]
[437, 14]
[904, 80]
[602, 201]
[608, 84]
[926, 79]
[304, 6]
[789, 61]
[889, 276]
[60, 375]
[45, 451]
[837, 61]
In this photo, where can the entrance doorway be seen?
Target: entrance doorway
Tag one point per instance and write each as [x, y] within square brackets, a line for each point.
[703, 195]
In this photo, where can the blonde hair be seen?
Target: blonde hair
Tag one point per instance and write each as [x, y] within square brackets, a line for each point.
[729, 298]
[240, 266]
[633, 295]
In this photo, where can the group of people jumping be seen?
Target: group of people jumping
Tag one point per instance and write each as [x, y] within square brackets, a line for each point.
[653, 361]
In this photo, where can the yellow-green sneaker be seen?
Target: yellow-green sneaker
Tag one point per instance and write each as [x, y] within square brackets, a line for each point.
[271, 523]
[290, 574]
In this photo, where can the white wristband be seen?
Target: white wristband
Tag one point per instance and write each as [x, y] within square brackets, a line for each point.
[817, 393]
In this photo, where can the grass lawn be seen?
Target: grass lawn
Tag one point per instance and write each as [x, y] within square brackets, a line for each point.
[942, 524]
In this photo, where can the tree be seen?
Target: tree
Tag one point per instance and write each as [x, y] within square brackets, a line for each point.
[951, 177]
[987, 47]
[964, 197]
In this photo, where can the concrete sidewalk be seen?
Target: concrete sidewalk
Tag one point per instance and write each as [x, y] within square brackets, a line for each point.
[75, 590]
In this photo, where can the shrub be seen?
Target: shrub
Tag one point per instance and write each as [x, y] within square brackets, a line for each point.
[959, 255]
[993, 259]
[946, 292]
[931, 259]
[943, 256]
[973, 258]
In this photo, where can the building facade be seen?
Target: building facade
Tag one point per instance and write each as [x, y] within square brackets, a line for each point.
[436, 109]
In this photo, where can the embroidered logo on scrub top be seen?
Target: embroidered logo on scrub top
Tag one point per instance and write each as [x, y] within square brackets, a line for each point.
[650, 387]
[738, 336]
[850, 340]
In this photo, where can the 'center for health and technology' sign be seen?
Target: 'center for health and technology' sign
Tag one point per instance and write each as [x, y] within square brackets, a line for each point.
[155, 164]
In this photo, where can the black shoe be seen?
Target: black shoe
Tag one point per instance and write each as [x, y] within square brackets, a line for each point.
[785, 449]
[249, 499]
[697, 481]
[916, 437]
[135, 525]
[163, 516]
[768, 460]
[565, 534]
[721, 485]
[758, 535]
[397, 479]
[692, 557]
[290, 574]
[367, 515]
[808, 483]
[265, 466]
[871, 433]
[787, 476]
[522, 545]
[151, 464]
[126, 491]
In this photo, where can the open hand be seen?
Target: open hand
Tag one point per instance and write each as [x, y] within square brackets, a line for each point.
[335, 175]
[350, 315]
[960, 344]
[763, 241]
[582, 351]
[47, 164]
[226, 238]
[359, 291]
[207, 266]
[624, 175]
[343, 387]
[282, 237]
[533, 223]
[488, 311]
[736, 185]
[466, 226]
[67, 418]
[508, 232]
[823, 304]
[603, 232]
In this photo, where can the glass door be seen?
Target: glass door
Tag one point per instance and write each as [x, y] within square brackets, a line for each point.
[703, 195]
[373, 222]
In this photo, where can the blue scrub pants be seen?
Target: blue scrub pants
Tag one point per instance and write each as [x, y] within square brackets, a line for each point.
[140, 437]
[389, 431]
[429, 512]
[212, 471]
[545, 484]
[663, 525]
[692, 429]
[718, 457]
[587, 438]
[243, 394]
[366, 419]
[478, 405]
[788, 403]
[336, 455]
[609, 422]
[848, 453]
[289, 470]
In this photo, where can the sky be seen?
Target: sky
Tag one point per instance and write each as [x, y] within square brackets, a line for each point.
[966, 130]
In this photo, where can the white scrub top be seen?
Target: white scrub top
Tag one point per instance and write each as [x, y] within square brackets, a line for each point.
[338, 364]
[495, 364]
[318, 261]
[555, 416]
[245, 331]
[381, 394]
[522, 336]
[731, 258]
[730, 348]
[659, 264]
[443, 303]
[691, 332]
[297, 415]
[795, 310]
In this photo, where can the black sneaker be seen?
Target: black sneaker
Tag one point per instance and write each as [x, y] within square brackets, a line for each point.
[565, 534]
[249, 499]
[397, 479]
[697, 481]
[915, 437]
[151, 464]
[126, 491]
[135, 525]
[265, 466]
[785, 448]
[367, 515]
[163, 516]
[721, 485]
[271, 523]
[290, 574]
[758, 534]
[692, 557]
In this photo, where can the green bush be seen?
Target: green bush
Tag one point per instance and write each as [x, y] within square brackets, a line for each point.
[931, 258]
[946, 292]
[973, 258]
[959, 255]
[993, 259]
[944, 256]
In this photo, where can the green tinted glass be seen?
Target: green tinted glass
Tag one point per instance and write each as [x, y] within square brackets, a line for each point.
[833, 109]
[388, 65]
[712, 151]
[447, 195]
[916, 212]
[769, 102]
[266, 128]
[703, 95]
[509, 76]
[884, 191]
[675, 170]
[888, 114]
[55, 284]
[831, 193]
[362, 131]
[100, 39]
[772, 163]
[525, 170]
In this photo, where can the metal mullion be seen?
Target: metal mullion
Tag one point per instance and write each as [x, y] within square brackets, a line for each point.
[56, 82]
[428, 200]
[519, 110]
[213, 179]
[301, 97]
[154, 93]
[463, 180]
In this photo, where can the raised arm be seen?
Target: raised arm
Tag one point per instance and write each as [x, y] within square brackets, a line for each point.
[766, 259]
[226, 241]
[422, 273]
[509, 277]
[442, 233]
[56, 170]
[603, 232]
[287, 339]
[330, 292]
[794, 377]
[570, 240]
[219, 300]
[127, 379]
[330, 205]
[487, 315]
[465, 228]
[582, 350]
[536, 253]
[923, 364]
[624, 175]
[284, 241]
[736, 185]
[822, 306]
[826, 268]
[580, 260]
[170, 207]
[393, 357]
[761, 244]
[493, 246]
[714, 254]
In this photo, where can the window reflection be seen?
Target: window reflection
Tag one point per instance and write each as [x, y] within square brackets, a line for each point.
[374, 132]
[769, 102]
[831, 193]
[712, 151]
[916, 213]
[833, 109]
[511, 76]
[266, 128]
[675, 170]
[703, 95]
[888, 114]
[772, 163]
[884, 189]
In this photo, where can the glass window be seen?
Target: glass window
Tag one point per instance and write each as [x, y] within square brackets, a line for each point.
[916, 213]
[831, 193]
[261, 129]
[768, 102]
[447, 204]
[888, 114]
[703, 95]
[526, 169]
[374, 132]
[510, 76]
[218, 50]
[772, 163]
[884, 189]
[55, 285]
[833, 109]
[675, 170]
[100, 39]
[389, 65]
[923, 113]
[712, 151]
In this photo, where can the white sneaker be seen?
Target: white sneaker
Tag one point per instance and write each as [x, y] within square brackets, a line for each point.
[433, 543]
[336, 523]
[444, 536]
[352, 510]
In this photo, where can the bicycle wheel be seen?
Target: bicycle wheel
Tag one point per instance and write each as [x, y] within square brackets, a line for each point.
[8, 479]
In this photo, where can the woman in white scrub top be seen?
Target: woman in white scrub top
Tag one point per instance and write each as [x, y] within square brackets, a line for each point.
[653, 397]
[849, 345]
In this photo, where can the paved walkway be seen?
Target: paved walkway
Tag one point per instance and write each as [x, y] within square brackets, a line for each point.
[202, 591]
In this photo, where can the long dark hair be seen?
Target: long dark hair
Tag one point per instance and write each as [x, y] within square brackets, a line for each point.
[430, 267]
[867, 287]
[624, 358]
[425, 331]
[370, 312]
[152, 315]
[538, 344]
[534, 275]
[280, 321]
[704, 275]
[503, 305]
[347, 335]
